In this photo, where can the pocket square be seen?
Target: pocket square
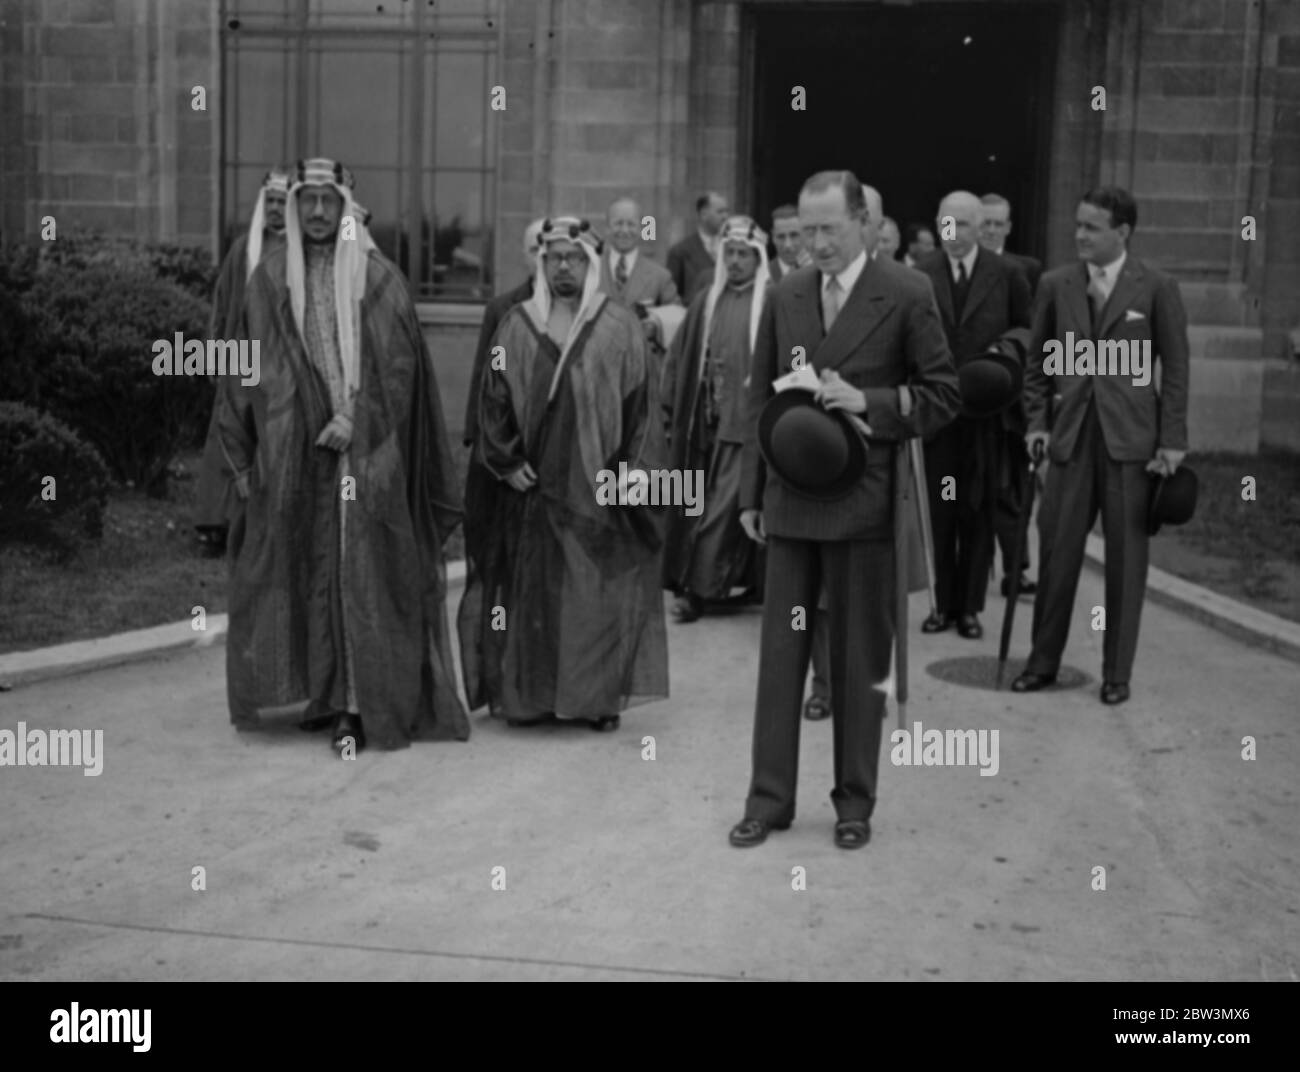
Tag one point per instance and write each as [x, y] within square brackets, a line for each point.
[1132, 314]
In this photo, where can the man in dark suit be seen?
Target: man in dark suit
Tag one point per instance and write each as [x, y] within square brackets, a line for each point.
[787, 237]
[983, 299]
[870, 330]
[995, 226]
[691, 261]
[1112, 429]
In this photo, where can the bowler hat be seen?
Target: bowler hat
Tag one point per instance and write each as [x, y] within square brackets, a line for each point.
[814, 450]
[1173, 499]
[990, 382]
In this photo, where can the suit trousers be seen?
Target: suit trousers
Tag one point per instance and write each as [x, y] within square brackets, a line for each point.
[1090, 481]
[859, 580]
[1011, 495]
[963, 529]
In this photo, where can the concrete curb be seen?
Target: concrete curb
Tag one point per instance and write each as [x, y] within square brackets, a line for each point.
[1242, 622]
[81, 656]
[1247, 624]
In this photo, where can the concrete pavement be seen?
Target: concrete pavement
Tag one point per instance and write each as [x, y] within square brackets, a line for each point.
[618, 868]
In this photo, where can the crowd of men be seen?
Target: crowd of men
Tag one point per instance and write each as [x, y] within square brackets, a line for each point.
[793, 383]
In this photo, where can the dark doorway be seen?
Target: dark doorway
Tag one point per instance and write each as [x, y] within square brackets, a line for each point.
[916, 101]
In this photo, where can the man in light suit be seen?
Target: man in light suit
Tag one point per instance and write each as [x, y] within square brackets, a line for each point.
[691, 261]
[983, 299]
[625, 274]
[870, 330]
[1109, 433]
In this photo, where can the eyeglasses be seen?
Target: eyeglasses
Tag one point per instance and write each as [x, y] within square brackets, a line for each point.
[575, 259]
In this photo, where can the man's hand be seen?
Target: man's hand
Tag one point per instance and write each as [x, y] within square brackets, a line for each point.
[337, 435]
[837, 393]
[241, 486]
[1036, 443]
[1166, 461]
[523, 478]
[650, 325]
[752, 522]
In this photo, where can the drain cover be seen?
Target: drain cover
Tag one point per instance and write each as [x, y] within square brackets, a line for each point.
[980, 672]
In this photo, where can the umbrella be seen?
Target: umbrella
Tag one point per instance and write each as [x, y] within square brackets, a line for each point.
[902, 493]
[1017, 552]
[923, 512]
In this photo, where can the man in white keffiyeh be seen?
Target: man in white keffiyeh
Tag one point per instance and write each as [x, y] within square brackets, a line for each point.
[708, 555]
[569, 401]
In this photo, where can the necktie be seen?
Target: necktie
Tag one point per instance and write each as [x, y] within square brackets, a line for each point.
[620, 273]
[1097, 299]
[959, 290]
[831, 302]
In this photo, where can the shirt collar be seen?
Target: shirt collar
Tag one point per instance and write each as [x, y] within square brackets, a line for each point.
[968, 260]
[849, 276]
[710, 242]
[615, 254]
[1110, 272]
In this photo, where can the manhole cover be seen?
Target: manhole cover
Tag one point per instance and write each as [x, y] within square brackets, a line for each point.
[980, 672]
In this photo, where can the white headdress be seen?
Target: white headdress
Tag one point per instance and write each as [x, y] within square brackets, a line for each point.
[736, 229]
[277, 181]
[349, 262]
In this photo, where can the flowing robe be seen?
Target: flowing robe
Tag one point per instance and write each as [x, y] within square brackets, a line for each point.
[310, 567]
[584, 628]
[217, 502]
[709, 554]
[487, 540]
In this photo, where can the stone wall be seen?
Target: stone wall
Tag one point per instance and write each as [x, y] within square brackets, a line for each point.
[99, 130]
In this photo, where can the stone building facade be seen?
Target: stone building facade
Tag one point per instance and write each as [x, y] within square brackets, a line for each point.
[664, 98]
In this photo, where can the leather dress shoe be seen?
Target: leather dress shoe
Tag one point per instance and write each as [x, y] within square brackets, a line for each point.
[815, 708]
[688, 608]
[1027, 587]
[1031, 682]
[750, 832]
[348, 726]
[937, 623]
[1113, 692]
[604, 723]
[968, 625]
[852, 833]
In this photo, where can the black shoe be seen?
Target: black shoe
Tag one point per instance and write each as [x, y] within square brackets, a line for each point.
[348, 728]
[1112, 692]
[816, 708]
[852, 833]
[749, 832]
[604, 724]
[968, 625]
[937, 623]
[1031, 682]
[688, 608]
[1027, 587]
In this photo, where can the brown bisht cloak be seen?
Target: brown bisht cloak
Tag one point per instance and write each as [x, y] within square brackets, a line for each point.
[217, 502]
[584, 620]
[295, 579]
[708, 553]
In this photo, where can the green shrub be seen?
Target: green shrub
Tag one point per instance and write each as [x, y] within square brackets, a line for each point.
[87, 359]
[34, 446]
[190, 267]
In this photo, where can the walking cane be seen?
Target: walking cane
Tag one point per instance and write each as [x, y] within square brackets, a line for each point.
[1017, 551]
[902, 478]
[922, 494]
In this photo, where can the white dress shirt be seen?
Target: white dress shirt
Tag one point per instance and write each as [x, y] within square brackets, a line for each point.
[630, 262]
[711, 243]
[968, 260]
[847, 277]
[1104, 277]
